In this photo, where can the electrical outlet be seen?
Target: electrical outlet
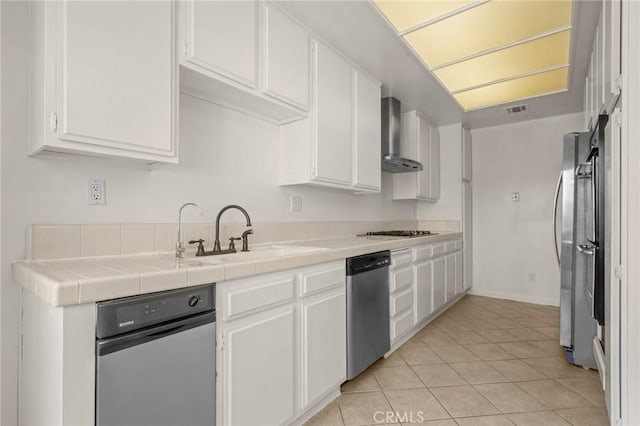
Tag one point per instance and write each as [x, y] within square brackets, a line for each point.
[97, 193]
[296, 203]
[515, 196]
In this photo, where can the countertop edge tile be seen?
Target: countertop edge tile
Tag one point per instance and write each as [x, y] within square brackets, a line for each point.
[193, 272]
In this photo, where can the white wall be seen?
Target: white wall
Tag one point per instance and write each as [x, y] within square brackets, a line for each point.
[449, 206]
[513, 254]
[225, 157]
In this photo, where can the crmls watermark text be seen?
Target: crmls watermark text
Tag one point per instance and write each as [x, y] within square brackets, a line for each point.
[398, 417]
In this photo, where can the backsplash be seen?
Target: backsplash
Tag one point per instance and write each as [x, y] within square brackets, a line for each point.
[70, 241]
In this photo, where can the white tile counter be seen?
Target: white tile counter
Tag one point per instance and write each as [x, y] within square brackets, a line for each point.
[91, 279]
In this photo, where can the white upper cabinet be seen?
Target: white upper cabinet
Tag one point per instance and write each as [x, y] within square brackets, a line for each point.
[104, 79]
[247, 55]
[333, 152]
[338, 146]
[602, 84]
[366, 166]
[421, 142]
[222, 37]
[287, 56]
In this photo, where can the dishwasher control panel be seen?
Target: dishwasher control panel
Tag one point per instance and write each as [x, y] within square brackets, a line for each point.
[132, 313]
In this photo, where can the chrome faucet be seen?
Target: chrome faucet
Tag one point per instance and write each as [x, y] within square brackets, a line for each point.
[216, 243]
[179, 247]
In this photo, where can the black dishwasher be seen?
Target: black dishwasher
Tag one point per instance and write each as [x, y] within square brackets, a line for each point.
[156, 359]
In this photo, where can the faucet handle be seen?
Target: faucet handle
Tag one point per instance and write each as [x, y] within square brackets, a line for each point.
[200, 251]
[232, 244]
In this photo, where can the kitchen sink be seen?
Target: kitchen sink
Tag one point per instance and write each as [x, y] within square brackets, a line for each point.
[261, 253]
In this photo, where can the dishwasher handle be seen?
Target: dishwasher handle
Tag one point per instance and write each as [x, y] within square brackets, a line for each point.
[138, 337]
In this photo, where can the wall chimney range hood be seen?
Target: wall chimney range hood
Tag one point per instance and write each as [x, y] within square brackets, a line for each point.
[392, 162]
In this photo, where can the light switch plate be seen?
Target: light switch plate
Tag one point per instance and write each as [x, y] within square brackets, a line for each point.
[296, 203]
[515, 196]
[97, 194]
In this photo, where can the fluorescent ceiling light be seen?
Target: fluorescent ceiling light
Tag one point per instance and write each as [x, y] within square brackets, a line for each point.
[470, 44]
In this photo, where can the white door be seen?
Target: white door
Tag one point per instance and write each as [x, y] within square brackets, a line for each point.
[434, 163]
[450, 275]
[287, 59]
[116, 75]
[423, 291]
[438, 282]
[333, 148]
[323, 355]
[259, 365]
[367, 170]
[222, 38]
[424, 156]
[459, 272]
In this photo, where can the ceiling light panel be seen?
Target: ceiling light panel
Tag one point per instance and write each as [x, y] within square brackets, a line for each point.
[521, 88]
[488, 26]
[544, 53]
[405, 14]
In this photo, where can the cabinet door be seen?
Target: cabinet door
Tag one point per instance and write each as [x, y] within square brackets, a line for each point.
[424, 156]
[434, 163]
[466, 155]
[367, 140]
[438, 282]
[323, 356]
[459, 272]
[422, 291]
[222, 38]
[258, 381]
[450, 275]
[116, 75]
[333, 148]
[287, 59]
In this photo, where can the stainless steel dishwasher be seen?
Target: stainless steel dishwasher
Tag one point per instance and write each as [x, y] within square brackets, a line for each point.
[156, 359]
[367, 310]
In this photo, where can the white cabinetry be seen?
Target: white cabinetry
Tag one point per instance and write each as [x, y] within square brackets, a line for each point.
[282, 343]
[421, 142]
[338, 146]
[423, 290]
[102, 92]
[247, 55]
[401, 294]
[602, 84]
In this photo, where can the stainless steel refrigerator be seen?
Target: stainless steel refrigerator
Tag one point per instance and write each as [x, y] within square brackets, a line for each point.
[579, 219]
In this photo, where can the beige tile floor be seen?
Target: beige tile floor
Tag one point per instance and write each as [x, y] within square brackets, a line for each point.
[483, 362]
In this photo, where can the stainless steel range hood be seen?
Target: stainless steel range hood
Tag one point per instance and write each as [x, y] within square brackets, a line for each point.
[392, 162]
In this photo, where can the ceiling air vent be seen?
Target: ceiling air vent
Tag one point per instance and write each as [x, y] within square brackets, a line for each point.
[516, 108]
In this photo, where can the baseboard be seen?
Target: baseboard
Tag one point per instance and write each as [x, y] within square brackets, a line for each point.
[516, 297]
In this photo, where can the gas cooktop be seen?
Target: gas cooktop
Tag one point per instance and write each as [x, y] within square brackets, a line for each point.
[404, 233]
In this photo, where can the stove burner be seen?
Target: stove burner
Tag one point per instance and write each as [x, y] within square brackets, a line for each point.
[405, 233]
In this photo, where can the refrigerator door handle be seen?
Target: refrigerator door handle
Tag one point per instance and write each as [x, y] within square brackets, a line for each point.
[587, 249]
[555, 217]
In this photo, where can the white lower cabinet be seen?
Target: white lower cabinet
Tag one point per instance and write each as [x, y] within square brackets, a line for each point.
[423, 291]
[438, 279]
[282, 342]
[450, 276]
[324, 344]
[459, 272]
[258, 355]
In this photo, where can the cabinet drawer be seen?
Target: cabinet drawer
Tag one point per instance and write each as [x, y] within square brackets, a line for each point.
[401, 302]
[315, 281]
[421, 253]
[437, 250]
[458, 245]
[401, 325]
[401, 258]
[255, 295]
[449, 246]
[402, 278]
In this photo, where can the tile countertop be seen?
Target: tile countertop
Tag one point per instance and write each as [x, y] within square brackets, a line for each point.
[87, 280]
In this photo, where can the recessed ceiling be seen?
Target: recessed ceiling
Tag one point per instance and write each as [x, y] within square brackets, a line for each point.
[487, 53]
